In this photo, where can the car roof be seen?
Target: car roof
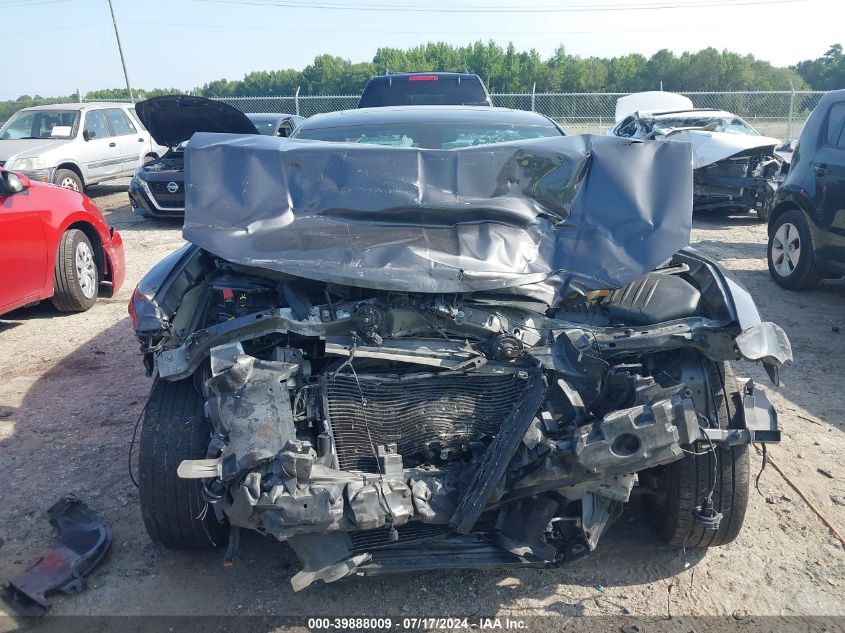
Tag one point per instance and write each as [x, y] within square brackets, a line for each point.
[437, 73]
[270, 116]
[693, 112]
[425, 114]
[81, 106]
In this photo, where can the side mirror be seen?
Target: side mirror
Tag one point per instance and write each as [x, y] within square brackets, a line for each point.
[88, 134]
[14, 183]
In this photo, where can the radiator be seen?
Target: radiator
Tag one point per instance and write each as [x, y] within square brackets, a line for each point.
[420, 413]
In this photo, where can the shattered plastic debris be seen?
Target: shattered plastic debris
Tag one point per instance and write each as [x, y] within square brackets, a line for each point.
[83, 542]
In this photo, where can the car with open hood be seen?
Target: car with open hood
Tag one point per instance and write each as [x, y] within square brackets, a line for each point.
[734, 167]
[424, 338]
[157, 187]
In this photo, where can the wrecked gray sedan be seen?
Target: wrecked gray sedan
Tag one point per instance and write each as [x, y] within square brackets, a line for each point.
[402, 358]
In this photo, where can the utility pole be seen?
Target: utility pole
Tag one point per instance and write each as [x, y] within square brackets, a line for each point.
[120, 50]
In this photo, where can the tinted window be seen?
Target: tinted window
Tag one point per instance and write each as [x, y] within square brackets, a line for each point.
[285, 128]
[397, 91]
[428, 135]
[120, 123]
[834, 123]
[95, 124]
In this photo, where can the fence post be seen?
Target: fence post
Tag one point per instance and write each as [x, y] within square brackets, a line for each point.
[533, 95]
[296, 100]
[791, 111]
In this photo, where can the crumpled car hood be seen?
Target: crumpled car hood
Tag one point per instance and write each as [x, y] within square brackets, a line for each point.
[535, 216]
[711, 147]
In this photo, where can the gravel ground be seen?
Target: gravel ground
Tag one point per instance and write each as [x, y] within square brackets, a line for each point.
[73, 386]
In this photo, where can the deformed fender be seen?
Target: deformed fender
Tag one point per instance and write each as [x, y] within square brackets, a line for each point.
[730, 300]
[767, 343]
[83, 542]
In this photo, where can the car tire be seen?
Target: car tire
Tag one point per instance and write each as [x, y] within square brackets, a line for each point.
[687, 482]
[75, 277]
[790, 252]
[68, 179]
[173, 509]
[762, 213]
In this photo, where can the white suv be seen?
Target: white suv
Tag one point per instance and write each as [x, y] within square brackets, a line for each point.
[74, 145]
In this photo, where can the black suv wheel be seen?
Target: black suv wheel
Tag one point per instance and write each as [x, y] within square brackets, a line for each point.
[790, 252]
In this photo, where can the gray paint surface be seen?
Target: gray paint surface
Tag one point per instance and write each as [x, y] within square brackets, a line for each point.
[538, 215]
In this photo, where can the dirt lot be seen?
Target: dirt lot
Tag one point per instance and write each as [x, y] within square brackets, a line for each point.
[72, 388]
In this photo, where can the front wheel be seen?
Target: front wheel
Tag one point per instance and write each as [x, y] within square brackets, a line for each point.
[706, 475]
[175, 429]
[68, 179]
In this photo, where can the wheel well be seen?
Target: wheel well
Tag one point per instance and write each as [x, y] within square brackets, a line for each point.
[96, 244]
[779, 210]
[74, 169]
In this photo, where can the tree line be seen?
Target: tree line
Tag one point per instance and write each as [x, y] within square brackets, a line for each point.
[504, 69]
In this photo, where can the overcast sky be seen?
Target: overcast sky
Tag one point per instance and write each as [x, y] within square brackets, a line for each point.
[53, 47]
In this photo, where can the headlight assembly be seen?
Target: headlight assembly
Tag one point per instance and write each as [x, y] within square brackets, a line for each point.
[35, 162]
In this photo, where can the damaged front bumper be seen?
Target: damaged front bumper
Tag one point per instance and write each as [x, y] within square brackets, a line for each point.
[410, 453]
[536, 494]
[748, 181]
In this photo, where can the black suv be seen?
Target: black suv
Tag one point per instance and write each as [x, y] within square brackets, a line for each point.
[431, 88]
[807, 221]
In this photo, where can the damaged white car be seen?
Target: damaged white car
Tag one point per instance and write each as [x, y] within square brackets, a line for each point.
[413, 358]
[735, 169]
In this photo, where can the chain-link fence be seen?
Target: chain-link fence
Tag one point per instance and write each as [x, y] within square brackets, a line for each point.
[779, 114]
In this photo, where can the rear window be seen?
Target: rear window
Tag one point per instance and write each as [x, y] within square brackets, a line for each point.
[428, 135]
[423, 90]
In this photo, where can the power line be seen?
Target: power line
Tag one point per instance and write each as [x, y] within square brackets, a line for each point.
[651, 6]
[57, 28]
[29, 3]
[231, 27]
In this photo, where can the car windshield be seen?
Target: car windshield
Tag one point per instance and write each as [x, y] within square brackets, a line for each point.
[40, 124]
[729, 124]
[428, 135]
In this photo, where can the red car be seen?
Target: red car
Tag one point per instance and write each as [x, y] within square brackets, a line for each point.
[54, 244]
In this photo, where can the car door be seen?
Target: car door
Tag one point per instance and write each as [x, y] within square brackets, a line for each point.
[129, 140]
[23, 249]
[828, 166]
[99, 152]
